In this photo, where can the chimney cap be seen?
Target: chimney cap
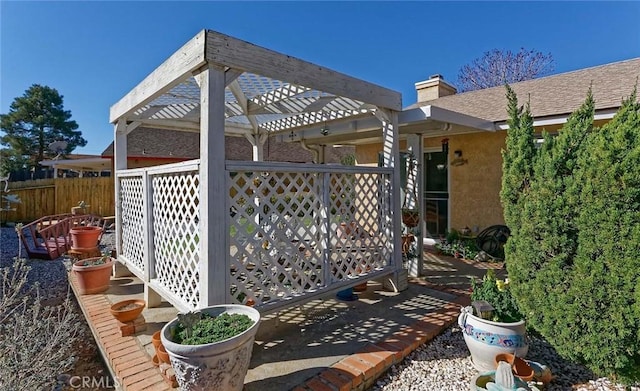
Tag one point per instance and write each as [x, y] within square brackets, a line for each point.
[436, 76]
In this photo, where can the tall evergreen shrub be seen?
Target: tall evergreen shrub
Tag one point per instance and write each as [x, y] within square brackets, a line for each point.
[573, 207]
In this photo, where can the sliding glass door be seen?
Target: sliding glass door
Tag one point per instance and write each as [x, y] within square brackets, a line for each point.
[436, 194]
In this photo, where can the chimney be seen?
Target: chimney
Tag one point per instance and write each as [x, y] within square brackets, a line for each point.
[433, 88]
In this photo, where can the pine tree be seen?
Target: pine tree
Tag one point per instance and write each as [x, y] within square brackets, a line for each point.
[34, 121]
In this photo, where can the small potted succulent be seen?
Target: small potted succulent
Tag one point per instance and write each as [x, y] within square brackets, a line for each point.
[493, 324]
[93, 274]
[210, 349]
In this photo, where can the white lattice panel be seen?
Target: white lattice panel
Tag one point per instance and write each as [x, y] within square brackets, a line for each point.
[287, 238]
[360, 219]
[132, 220]
[275, 249]
[176, 233]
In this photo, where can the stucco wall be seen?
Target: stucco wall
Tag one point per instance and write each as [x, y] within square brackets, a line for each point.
[367, 154]
[475, 186]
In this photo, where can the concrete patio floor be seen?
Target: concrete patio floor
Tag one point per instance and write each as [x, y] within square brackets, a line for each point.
[322, 345]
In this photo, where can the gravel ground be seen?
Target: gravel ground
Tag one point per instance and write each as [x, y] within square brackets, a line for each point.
[54, 286]
[441, 365]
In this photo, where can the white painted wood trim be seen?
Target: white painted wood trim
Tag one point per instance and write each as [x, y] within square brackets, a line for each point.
[604, 114]
[391, 158]
[236, 165]
[119, 163]
[434, 113]
[235, 53]
[214, 209]
[132, 126]
[175, 69]
[416, 144]
[148, 257]
[234, 86]
[169, 296]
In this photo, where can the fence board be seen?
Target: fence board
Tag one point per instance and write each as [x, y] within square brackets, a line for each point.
[52, 196]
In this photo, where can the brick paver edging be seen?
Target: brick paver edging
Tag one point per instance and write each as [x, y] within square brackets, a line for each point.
[359, 371]
[133, 370]
[127, 360]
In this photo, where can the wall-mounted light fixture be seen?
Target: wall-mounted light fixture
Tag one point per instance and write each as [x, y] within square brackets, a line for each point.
[458, 160]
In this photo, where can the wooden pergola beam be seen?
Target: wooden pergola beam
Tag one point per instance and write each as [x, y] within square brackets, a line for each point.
[235, 53]
[190, 57]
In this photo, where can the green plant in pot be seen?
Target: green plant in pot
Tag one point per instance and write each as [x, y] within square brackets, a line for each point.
[210, 349]
[93, 274]
[494, 330]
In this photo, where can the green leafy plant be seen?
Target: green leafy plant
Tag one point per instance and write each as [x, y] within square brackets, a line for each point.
[198, 328]
[456, 246]
[95, 262]
[573, 207]
[497, 293]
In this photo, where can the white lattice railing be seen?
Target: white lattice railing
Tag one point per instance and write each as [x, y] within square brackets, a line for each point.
[295, 231]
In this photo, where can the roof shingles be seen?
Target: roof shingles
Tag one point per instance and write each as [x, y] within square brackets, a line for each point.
[551, 95]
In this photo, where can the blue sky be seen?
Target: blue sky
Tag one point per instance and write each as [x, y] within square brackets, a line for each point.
[93, 52]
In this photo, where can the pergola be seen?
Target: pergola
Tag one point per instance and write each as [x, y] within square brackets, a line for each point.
[94, 164]
[211, 231]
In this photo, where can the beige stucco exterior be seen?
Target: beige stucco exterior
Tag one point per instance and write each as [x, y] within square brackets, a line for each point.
[474, 188]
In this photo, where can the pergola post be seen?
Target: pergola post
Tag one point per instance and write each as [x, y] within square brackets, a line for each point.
[391, 159]
[257, 143]
[214, 208]
[119, 163]
[415, 142]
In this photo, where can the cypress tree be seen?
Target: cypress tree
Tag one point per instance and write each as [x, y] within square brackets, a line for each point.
[573, 207]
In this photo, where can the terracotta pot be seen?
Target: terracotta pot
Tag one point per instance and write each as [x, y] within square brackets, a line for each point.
[360, 287]
[347, 230]
[406, 242]
[155, 340]
[127, 310]
[93, 278]
[85, 237]
[162, 354]
[218, 366]
[486, 339]
[155, 360]
[520, 367]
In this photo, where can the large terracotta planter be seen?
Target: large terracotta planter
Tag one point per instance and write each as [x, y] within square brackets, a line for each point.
[93, 278]
[85, 237]
[486, 339]
[218, 366]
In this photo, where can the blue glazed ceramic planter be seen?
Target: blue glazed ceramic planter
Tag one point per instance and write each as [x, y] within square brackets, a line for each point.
[486, 339]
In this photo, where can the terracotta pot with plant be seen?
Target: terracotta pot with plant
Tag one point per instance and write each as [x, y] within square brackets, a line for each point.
[210, 349]
[93, 274]
[498, 329]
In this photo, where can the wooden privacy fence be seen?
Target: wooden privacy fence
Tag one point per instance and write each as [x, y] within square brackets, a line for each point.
[43, 197]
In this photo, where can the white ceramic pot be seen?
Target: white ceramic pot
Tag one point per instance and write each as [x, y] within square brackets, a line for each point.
[218, 366]
[485, 339]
